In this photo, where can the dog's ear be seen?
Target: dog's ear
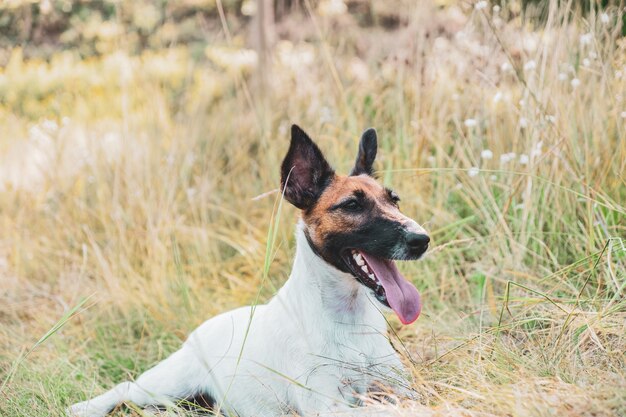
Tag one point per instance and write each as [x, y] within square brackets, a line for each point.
[304, 172]
[367, 153]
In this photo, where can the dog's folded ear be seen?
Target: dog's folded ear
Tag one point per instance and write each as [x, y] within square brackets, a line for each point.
[304, 172]
[367, 153]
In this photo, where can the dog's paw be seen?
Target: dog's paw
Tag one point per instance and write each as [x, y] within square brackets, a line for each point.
[84, 409]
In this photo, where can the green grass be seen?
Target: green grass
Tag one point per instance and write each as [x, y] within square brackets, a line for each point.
[146, 198]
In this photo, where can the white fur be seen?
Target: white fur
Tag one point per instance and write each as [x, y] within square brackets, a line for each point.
[318, 345]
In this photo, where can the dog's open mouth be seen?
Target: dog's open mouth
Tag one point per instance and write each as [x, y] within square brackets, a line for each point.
[389, 286]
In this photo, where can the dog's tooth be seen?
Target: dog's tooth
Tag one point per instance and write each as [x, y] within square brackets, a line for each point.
[372, 276]
[364, 268]
[358, 259]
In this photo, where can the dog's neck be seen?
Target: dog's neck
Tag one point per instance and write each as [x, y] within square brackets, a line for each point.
[323, 298]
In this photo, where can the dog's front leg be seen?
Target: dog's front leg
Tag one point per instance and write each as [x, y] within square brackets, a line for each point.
[390, 378]
[325, 398]
[392, 388]
[345, 410]
[177, 377]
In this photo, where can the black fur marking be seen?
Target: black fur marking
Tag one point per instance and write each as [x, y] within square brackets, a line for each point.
[379, 237]
[368, 147]
[200, 402]
[305, 173]
[358, 196]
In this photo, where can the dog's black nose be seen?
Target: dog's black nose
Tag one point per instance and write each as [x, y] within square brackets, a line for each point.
[417, 242]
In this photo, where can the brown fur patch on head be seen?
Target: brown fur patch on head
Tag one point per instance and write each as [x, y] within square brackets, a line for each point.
[323, 219]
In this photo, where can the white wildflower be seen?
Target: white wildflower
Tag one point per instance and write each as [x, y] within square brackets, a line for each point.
[530, 65]
[523, 122]
[550, 118]
[49, 125]
[506, 67]
[537, 149]
[295, 56]
[249, 8]
[496, 8]
[486, 154]
[470, 122]
[618, 74]
[473, 171]
[586, 62]
[431, 159]
[604, 18]
[497, 97]
[562, 76]
[493, 177]
[623, 115]
[586, 39]
[37, 135]
[523, 159]
[575, 82]
[332, 8]
[480, 5]
[507, 157]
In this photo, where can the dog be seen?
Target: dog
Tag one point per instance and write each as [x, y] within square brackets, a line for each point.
[321, 342]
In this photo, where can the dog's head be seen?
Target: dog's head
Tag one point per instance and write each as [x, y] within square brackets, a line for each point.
[353, 222]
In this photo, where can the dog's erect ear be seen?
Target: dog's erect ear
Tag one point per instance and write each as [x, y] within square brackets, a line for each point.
[367, 153]
[304, 173]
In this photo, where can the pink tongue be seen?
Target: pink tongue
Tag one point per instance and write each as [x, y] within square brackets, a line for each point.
[402, 296]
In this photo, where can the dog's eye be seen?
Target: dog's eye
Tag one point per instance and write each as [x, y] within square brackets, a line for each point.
[394, 197]
[351, 205]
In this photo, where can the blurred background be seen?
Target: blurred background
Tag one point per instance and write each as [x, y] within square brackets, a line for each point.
[139, 152]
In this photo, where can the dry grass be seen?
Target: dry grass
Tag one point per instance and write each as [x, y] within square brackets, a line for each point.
[138, 194]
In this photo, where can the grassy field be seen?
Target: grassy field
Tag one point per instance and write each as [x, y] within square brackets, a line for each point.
[137, 192]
